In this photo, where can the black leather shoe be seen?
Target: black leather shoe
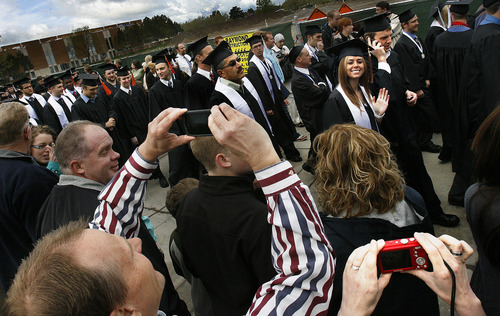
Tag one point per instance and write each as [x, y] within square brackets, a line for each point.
[431, 147]
[447, 220]
[294, 158]
[163, 182]
[445, 154]
[307, 167]
[455, 202]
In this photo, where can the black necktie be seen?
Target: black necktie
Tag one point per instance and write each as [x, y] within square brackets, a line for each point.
[31, 99]
[65, 108]
[130, 92]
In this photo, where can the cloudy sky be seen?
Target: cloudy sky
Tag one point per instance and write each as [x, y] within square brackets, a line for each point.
[24, 20]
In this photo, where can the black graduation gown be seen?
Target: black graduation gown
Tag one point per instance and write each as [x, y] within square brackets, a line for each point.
[51, 119]
[100, 112]
[282, 126]
[430, 39]
[132, 113]
[37, 107]
[69, 203]
[336, 111]
[480, 82]
[417, 69]
[102, 94]
[397, 129]
[218, 98]
[182, 163]
[323, 67]
[450, 50]
[198, 92]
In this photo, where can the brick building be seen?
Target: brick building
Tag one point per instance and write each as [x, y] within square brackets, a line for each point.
[58, 53]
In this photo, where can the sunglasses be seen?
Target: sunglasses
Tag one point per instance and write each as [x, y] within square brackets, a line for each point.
[232, 63]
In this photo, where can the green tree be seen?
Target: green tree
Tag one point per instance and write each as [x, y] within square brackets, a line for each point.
[81, 40]
[264, 6]
[236, 13]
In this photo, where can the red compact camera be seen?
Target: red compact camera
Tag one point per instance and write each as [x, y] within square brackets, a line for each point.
[402, 254]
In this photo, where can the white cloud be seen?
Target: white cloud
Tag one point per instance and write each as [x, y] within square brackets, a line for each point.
[52, 17]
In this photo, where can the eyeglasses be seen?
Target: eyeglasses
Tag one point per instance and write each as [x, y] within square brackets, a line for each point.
[42, 146]
[232, 63]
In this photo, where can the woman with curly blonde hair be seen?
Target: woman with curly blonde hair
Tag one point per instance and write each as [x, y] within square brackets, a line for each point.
[363, 197]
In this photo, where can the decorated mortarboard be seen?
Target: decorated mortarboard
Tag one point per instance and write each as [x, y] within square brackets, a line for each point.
[217, 55]
[459, 6]
[376, 23]
[312, 29]
[91, 80]
[107, 67]
[124, 71]
[52, 81]
[436, 6]
[21, 81]
[406, 15]
[355, 47]
[254, 39]
[196, 47]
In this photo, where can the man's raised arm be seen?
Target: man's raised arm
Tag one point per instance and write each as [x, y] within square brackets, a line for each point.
[122, 200]
[302, 255]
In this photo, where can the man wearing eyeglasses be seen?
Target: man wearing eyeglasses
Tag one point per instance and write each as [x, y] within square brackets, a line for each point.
[24, 186]
[233, 88]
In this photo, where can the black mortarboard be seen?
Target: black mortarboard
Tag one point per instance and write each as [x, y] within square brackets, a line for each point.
[312, 29]
[376, 23]
[106, 67]
[294, 53]
[254, 39]
[65, 75]
[225, 45]
[161, 55]
[355, 47]
[91, 80]
[406, 16]
[217, 55]
[459, 6]
[21, 81]
[196, 47]
[433, 12]
[487, 3]
[124, 71]
[52, 82]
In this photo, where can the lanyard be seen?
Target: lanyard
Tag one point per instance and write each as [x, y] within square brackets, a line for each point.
[417, 42]
[268, 69]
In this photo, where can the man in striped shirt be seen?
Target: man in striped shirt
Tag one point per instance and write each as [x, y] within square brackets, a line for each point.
[302, 255]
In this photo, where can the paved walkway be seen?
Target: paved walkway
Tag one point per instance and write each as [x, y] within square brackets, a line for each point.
[164, 223]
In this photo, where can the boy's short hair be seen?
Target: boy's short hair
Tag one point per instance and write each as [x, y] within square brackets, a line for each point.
[205, 149]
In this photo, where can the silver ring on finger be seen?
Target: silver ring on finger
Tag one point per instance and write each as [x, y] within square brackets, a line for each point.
[356, 268]
[456, 253]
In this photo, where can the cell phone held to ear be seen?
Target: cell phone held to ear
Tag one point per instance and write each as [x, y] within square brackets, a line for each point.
[402, 254]
[195, 123]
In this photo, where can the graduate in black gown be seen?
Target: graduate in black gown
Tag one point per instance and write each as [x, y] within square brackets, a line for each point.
[33, 102]
[233, 88]
[168, 92]
[263, 77]
[450, 49]
[57, 113]
[396, 125]
[131, 106]
[481, 95]
[109, 85]
[200, 86]
[417, 68]
[92, 107]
